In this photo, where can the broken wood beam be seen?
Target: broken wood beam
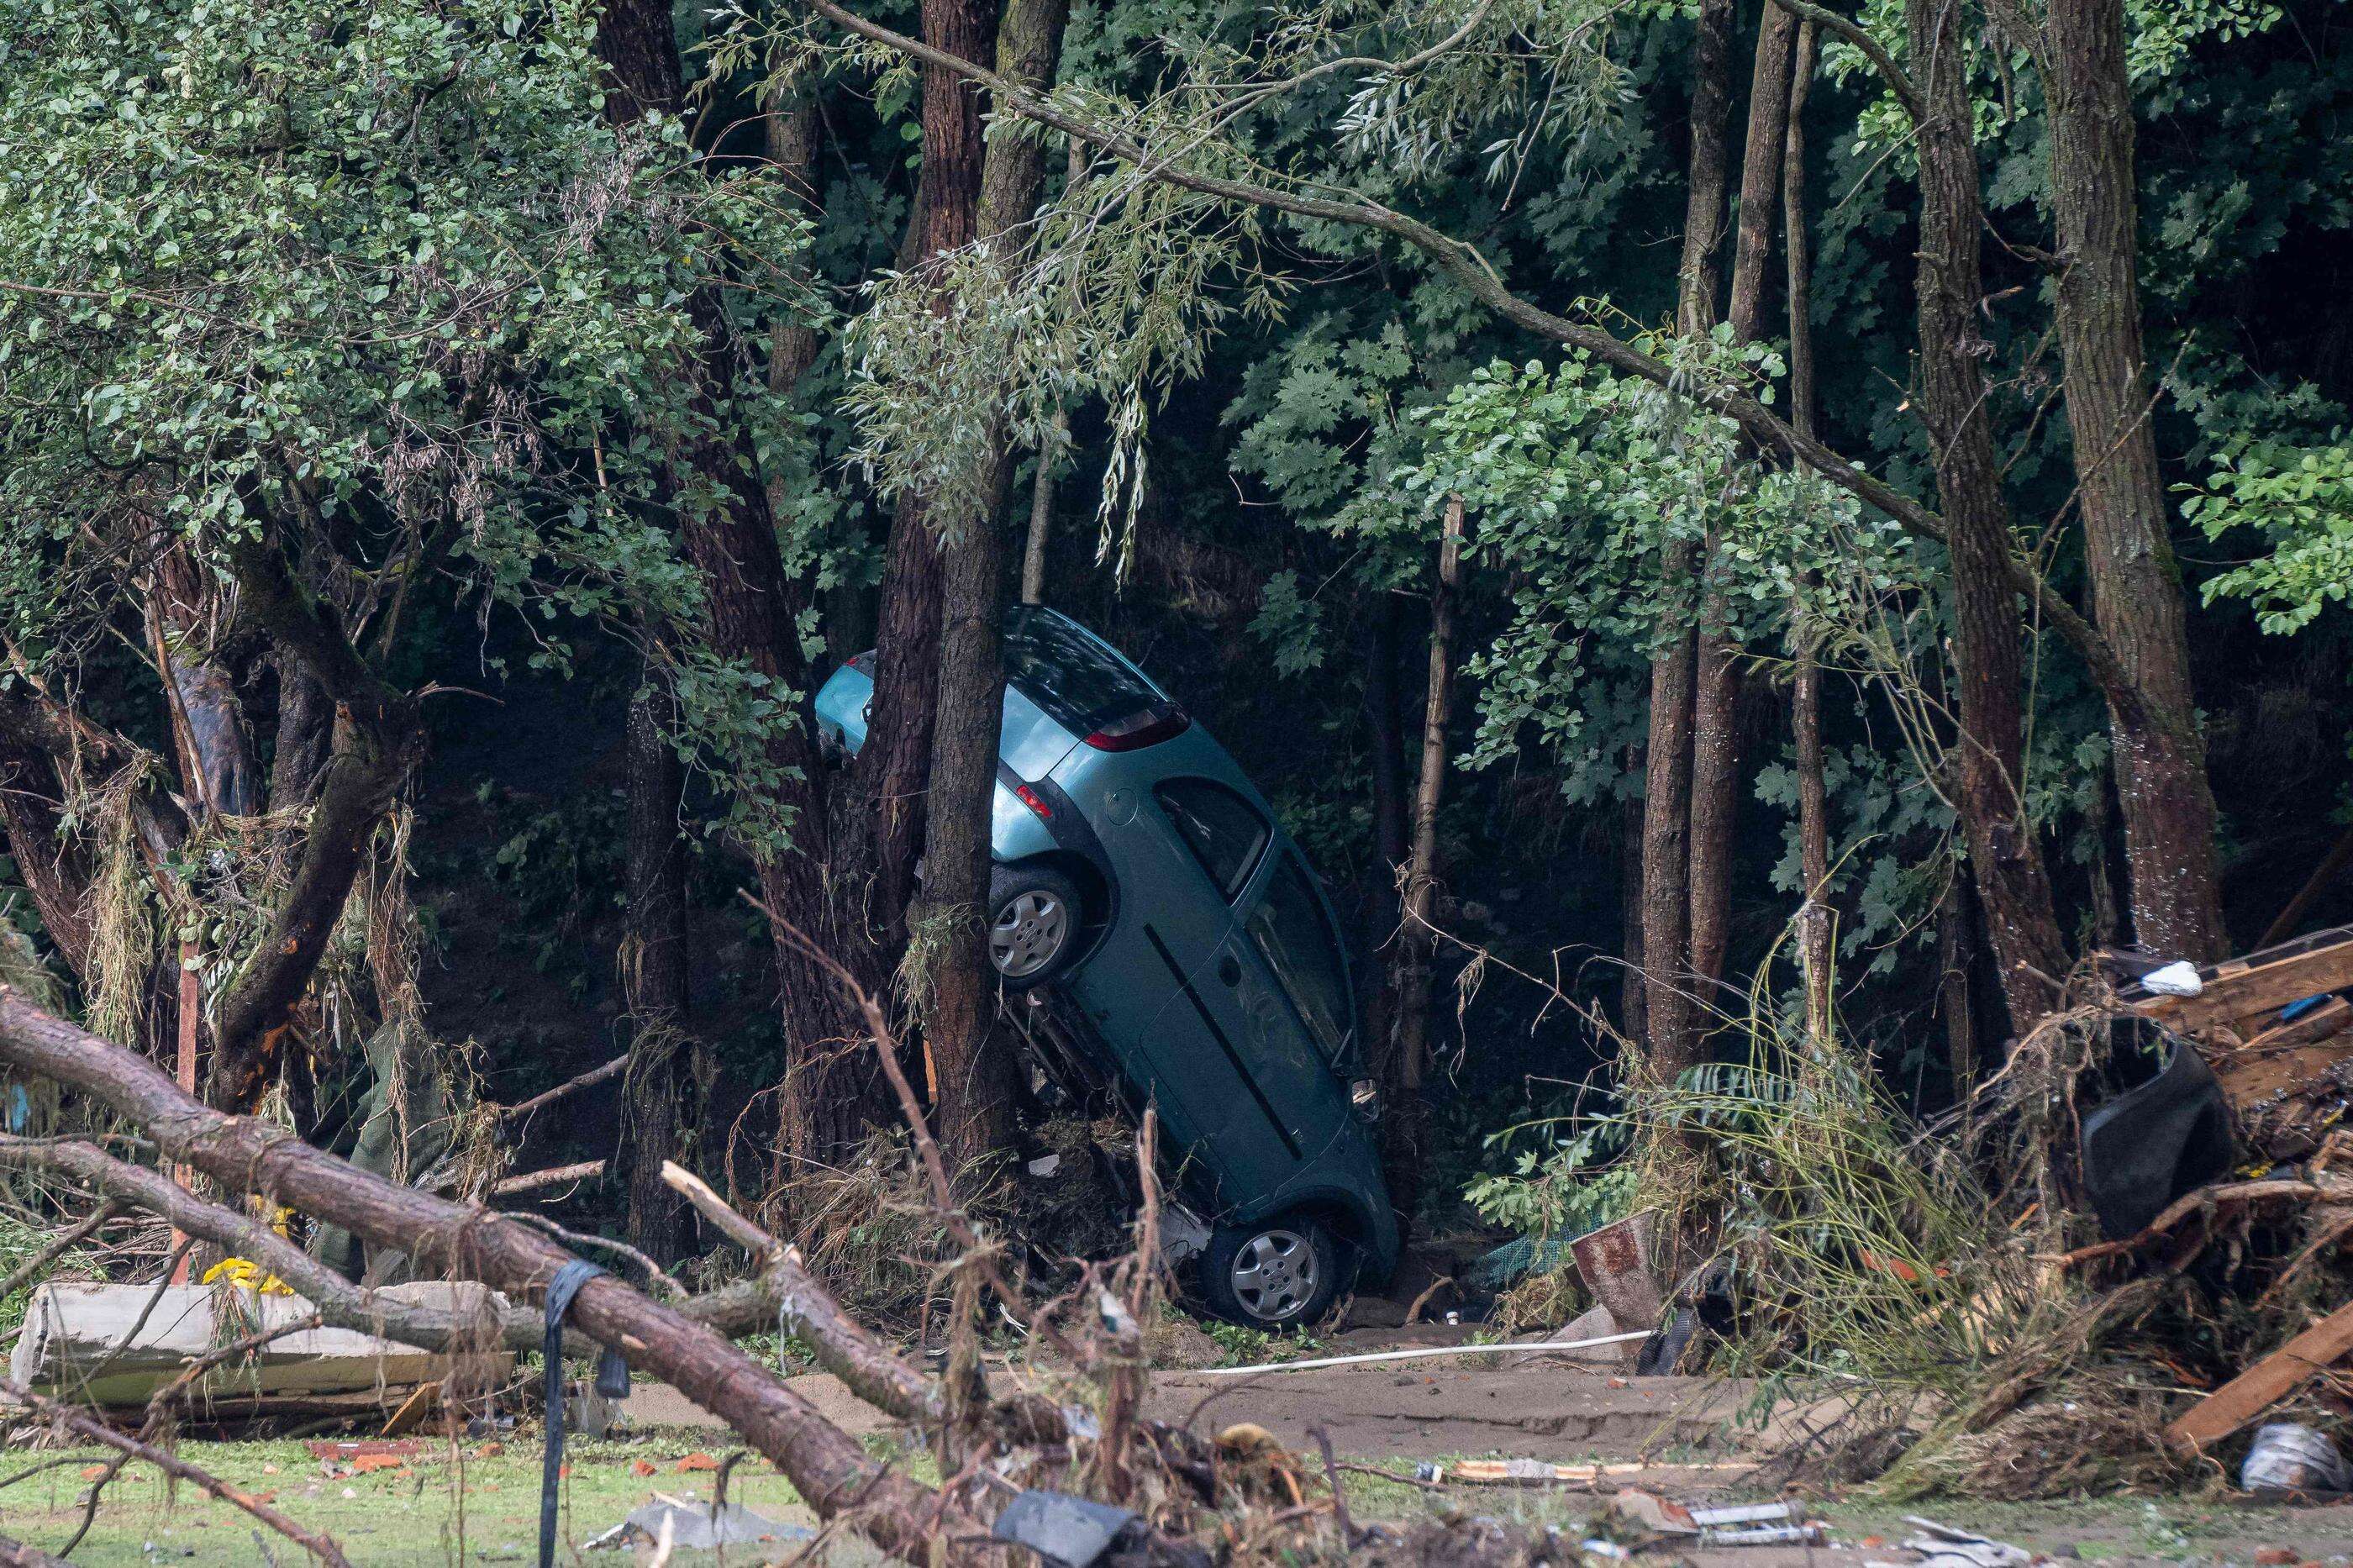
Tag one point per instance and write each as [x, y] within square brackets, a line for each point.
[2240, 989]
[826, 1466]
[2265, 1384]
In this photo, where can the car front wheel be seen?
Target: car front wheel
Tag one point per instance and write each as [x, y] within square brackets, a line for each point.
[1035, 920]
[1278, 1274]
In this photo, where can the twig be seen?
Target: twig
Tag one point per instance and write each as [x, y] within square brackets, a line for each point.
[106, 1210]
[1332, 1479]
[2182, 1209]
[323, 1547]
[554, 1177]
[588, 1080]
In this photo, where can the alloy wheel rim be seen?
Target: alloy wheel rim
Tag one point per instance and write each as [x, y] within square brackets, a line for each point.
[1029, 933]
[1274, 1274]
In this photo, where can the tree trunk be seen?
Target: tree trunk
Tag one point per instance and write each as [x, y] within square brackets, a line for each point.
[657, 1092]
[824, 1466]
[894, 765]
[1715, 734]
[1392, 833]
[1954, 950]
[2136, 597]
[751, 610]
[1816, 955]
[1633, 997]
[1673, 1041]
[976, 1080]
[1988, 631]
[1416, 950]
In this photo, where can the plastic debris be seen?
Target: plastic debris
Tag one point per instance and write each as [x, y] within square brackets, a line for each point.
[1059, 1528]
[2180, 978]
[691, 1526]
[1942, 1546]
[2289, 1456]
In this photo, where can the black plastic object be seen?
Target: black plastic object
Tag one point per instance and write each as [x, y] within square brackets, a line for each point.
[2151, 1144]
[1066, 1531]
[612, 1382]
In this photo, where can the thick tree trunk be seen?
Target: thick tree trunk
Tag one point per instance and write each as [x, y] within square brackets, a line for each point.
[305, 735]
[1715, 732]
[894, 766]
[657, 1092]
[1816, 957]
[976, 1080]
[1672, 1038]
[1633, 994]
[2137, 596]
[1988, 631]
[1416, 950]
[730, 534]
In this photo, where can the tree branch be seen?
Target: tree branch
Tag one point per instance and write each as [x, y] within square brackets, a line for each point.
[373, 756]
[1854, 33]
[1764, 430]
[823, 1463]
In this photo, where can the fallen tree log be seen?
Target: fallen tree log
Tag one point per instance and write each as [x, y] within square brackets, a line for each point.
[828, 1468]
[746, 1307]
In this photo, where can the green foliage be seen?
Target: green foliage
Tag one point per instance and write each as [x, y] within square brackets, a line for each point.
[2298, 501]
[1567, 1179]
[386, 283]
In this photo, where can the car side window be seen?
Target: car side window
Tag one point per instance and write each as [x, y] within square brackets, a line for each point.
[1291, 934]
[1224, 831]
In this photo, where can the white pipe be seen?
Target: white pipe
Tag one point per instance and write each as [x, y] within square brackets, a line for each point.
[1418, 1354]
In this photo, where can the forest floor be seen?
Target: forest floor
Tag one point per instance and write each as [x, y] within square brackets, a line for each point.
[473, 1503]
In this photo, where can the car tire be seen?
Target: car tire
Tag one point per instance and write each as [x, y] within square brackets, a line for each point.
[1276, 1275]
[1037, 921]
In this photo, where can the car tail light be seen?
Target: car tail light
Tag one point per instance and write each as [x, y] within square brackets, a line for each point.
[1145, 727]
[1035, 801]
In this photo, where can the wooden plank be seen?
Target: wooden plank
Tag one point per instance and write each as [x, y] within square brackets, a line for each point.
[2265, 1384]
[2245, 989]
[2314, 1025]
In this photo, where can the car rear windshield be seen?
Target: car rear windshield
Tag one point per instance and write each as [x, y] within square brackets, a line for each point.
[1068, 674]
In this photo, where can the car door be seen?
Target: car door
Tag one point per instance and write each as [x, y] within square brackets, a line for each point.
[1246, 1064]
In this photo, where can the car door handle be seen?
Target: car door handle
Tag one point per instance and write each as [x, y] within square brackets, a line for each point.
[1230, 970]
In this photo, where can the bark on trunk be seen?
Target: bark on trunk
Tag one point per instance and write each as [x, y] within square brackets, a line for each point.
[379, 740]
[750, 608]
[1816, 956]
[1672, 1042]
[894, 765]
[975, 1079]
[1716, 733]
[657, 1091]
[1408, 1120]
[1988, 630]
[2137, 596]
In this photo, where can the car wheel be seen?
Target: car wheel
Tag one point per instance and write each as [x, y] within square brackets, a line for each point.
[1035, 917]
[1278, 1274]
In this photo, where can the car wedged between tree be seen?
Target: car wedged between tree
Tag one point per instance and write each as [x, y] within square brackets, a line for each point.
[1139, 871]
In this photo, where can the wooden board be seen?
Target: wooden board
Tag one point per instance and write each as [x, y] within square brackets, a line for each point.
[2265, 1384]
[78, 1342]
[2240, 993]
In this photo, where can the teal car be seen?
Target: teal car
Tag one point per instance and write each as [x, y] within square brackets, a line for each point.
[1140, 874]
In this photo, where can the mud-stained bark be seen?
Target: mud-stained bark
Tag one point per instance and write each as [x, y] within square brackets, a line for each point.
[2013, 884]
[2136, 595]
[657, 1091]
[1408, 1120]
[1671, 1037]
